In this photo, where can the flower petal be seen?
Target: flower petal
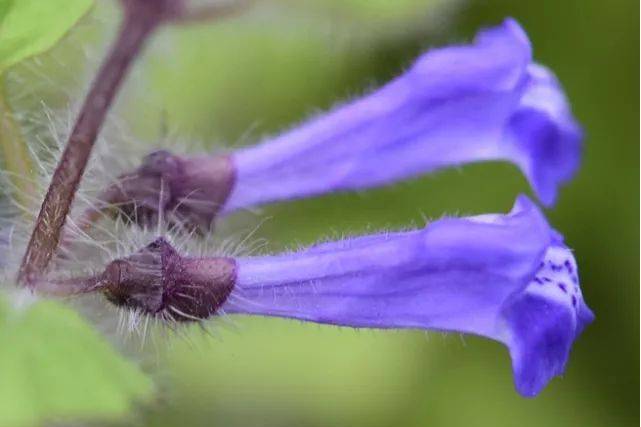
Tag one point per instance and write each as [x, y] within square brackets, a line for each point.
[546, 138]
[456, 105]
[542, 321]
[472, 275]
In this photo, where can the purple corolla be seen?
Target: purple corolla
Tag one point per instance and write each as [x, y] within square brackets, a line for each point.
[506, 277]
[456, 105]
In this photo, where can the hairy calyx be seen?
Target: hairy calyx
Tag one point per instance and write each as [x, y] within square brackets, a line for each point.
[187, 191]
[158, 281]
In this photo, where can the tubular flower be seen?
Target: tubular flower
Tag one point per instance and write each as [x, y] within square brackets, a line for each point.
[507, 277]
[456, 105]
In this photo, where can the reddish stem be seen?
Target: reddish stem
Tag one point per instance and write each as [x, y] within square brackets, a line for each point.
[140, 19]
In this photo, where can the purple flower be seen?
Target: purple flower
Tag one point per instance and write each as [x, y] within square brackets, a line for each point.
[456, 105]
[506, 277]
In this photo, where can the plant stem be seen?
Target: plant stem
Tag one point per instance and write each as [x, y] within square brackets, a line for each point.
[140, 19]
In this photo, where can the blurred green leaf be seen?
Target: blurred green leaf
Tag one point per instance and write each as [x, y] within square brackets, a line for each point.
[29, 27]
[54, 366]
[14, 152]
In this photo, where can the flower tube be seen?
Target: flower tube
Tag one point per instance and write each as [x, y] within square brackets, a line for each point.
[456, 105]
[507, 277]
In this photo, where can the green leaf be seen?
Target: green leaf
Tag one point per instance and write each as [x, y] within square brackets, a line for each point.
[29, 27]
[56, 367]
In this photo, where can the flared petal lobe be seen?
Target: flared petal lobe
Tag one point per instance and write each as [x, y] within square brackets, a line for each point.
[456, 105]
[542, 321]
[545, 137]
[474, 275]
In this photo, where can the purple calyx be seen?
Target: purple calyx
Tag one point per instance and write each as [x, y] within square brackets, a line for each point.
[185, 191]
[158, 281]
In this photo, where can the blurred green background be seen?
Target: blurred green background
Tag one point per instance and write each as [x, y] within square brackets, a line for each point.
[235, 81]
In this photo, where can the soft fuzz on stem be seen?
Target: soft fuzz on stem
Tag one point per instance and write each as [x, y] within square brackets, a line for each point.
[140, 18]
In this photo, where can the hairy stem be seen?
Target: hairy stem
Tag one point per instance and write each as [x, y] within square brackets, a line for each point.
[69, 286]
[140, 18]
